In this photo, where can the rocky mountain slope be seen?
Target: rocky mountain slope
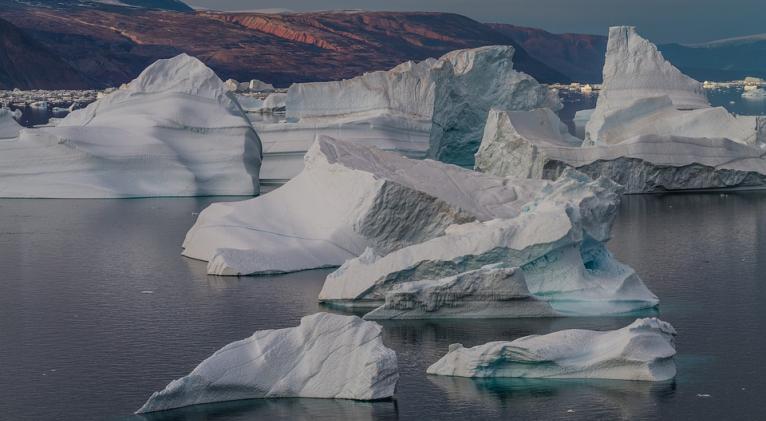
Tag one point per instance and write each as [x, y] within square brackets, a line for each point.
[27, 64]
[111, 44]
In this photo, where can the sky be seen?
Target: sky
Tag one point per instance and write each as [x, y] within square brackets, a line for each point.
[684, 21]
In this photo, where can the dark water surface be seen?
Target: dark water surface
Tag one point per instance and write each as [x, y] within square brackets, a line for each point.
[81, 337]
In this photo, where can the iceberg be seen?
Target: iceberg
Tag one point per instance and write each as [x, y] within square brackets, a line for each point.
[758, 94]
[327, 356]
[644, 351]
[173, 131]
[557, 241]
[9, 128]
[433, 107]
[491, 291]
[347, 198]
[642, 164]
[479, 80]
[644, 94]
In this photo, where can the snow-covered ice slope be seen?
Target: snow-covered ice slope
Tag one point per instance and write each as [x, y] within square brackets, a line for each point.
[470, 83]
[9, 128]
[173, 131]
[646, 163]
[644, 350]
[326, 356]
[558, 241]
[492, 291]
[347, 198]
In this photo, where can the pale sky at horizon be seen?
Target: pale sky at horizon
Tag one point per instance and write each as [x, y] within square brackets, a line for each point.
[681, 20]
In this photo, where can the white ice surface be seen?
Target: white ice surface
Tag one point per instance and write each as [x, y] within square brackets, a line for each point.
[173, 131]
[558, 241]
[326, 356]
[347, 198]
[9, 128]
[644, 350]
[635, 69]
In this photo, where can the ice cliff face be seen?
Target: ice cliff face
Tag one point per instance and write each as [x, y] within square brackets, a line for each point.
[471, 82]
[646, 163]
[644, 350]
[173, 131]
[9, 128]
[491, 291]
[326, 356]
[557, 241]
[347, 198]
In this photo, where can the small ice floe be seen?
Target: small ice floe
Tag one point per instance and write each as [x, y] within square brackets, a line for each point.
[644, 350]
[703, 395]
[147, 291]
[326, 356]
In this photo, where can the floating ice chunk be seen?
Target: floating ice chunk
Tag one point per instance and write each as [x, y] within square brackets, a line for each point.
[558, 242]
[9, 128]
[758, 93]
[347, 198]
[489, 292]
[643, 350]
[326, 356]
[173, 131]
[256, 85]
[646, 163]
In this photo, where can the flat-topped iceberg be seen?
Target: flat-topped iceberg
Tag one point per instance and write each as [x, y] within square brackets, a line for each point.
[492, 291]
[644, 350]
[173, 131]
[557, 241]
[9, 128]
[433, 107]
[326, 356]
[648, 163]
[347, 198]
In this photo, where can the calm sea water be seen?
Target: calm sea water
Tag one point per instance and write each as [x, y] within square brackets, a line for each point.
[98, 310]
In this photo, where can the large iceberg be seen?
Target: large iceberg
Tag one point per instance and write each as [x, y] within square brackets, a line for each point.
[643, 93]
[173, 131]
[9, 128]
[557, 241]
[433, 104]
[347, 198]
[648, 163]
[644, 350]
[326, 356]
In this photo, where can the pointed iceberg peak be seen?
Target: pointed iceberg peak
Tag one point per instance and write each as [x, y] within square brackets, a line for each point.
[635, 68]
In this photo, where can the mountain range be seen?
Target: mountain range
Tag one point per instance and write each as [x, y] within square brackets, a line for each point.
[76, 43]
